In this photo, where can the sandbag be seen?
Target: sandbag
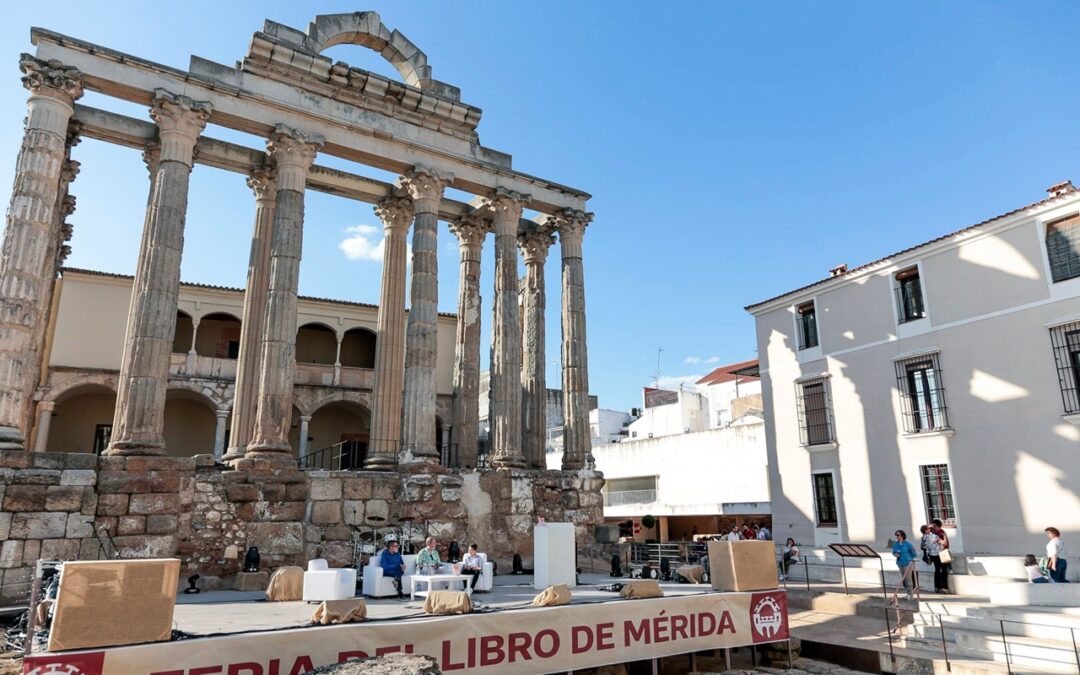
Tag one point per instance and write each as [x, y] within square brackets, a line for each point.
[642, 588]
[340, 611]
[448, 602]
[553, 595]
[287, 585]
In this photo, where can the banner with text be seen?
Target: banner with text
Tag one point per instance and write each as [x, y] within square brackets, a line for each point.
[555, 639]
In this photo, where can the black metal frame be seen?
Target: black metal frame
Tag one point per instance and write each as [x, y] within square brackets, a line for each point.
[818, 520]
[937, 493]
[1063, 248]
[909, 297]
[815, 412]
[1065, 341]
[922, 394]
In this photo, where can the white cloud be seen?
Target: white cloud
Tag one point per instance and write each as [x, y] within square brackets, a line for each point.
[698, 359]
[361, 244]
[678, 381]
[712, 359]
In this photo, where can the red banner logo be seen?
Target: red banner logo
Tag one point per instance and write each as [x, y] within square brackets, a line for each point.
[768, 617]
[86, 663]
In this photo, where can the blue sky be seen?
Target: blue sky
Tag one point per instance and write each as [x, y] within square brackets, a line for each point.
[733, 150]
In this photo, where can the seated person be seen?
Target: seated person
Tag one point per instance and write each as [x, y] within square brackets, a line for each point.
[473, 564]
[1034, 573]
[428, 560]
[392, 565]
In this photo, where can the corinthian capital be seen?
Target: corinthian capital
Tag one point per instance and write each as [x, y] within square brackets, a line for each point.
[506, 207]
[395, 212]
[425, 186]
[51, 78]
[534, 244]
[470, 229]
[263, 182]
[180, 120]
[68, 171]
[293, 151]
[571, 224]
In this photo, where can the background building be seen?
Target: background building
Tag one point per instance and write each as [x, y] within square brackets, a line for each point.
[938, 382]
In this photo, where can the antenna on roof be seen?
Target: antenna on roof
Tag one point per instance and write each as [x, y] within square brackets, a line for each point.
[656, 376]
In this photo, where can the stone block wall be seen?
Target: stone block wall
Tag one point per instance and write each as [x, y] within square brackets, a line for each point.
[208, 515]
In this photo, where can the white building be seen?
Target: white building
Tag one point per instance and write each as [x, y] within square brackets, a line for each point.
[938, 382]
[694, 460]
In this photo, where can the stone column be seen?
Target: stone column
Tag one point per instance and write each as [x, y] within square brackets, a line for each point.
[139, 420]
[219, 433]
[263, 183]
[24, 270]
[45, 411]
[396, 213]
[577, 438]
[444, 446]
[305, 420]
[534, 248]
[421, 333]
[470, 231]
[505, 410]
[292, 151]
[337, 359]
[192, 355]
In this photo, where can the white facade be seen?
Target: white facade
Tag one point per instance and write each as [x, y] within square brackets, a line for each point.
[969, 387]
[608, 426]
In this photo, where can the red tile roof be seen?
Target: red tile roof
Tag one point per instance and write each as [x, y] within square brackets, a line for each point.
[344, 303]
[1057, 191]
[727, 373]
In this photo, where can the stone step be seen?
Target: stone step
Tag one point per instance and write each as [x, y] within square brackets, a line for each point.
[960, 584]
[1049, 656]
[1004, 566]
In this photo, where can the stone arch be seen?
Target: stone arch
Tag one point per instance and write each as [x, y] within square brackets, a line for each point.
[218, 335]
[183, 333]
[316, 342]
[83, 415]
[98, 381]
[360, 399]
[366, 29]
[338, 432]
[358, 348]
[212, 399]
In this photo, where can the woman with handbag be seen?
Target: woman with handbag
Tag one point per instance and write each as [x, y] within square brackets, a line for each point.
[942, 559]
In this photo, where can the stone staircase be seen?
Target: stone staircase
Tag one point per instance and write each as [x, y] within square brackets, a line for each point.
[1037, 639]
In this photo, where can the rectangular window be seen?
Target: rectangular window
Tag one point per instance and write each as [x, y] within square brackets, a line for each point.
[102, 436]
[909, 298]
[922, 396]
[1063, 248]
[815, 412]
[824, 500]
[937, 490]
[233, 350]
[806, 320]
[1065, 341]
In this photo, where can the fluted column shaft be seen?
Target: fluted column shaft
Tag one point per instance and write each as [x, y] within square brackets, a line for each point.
[263, 183]
[577, 439]
[534, 248]
[396, 213]
[465, 432]
[421, 334]
[45, 412]
[28, 234]
[139, 420]
[292, 152]
[505, 405]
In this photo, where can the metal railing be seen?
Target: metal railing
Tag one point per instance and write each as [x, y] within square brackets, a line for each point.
[934, 632]
[628, 497]
[351, 455]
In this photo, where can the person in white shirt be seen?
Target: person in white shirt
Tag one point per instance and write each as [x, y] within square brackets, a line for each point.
[734, 535]
[1034, 574]
[473, 564]
[763, 534]
[1055, 552]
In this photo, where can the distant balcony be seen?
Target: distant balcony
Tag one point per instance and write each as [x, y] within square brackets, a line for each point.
[628, 497]
[202, 366]
[312, 374]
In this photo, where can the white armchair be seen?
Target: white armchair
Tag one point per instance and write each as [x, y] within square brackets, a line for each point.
[322, 583]
[487, 576]
[377, 585]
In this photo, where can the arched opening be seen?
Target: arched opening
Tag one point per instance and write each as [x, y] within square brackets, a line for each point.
[338, 435]
[189, 423]
[316, 343]
[358, 348]
[185, 331]
[82, 420]
[218, 336]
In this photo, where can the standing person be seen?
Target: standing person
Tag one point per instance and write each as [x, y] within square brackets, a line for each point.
[943, 561]
[1056, 564]
[905, 554]
[428, 559]
[1034, 574]
[763, 533]
[392, 565]
[932, 545]
[791, 557]
[473, 564]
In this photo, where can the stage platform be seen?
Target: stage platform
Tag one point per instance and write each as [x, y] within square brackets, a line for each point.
[218, 612]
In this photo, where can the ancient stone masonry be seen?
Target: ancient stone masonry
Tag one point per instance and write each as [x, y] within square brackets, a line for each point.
[193, 509]
[207, 504]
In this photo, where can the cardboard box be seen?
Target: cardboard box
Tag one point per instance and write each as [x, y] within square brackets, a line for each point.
[742, 565]
[104, 603]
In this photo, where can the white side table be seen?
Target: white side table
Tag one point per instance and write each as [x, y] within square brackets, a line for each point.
[432, 579]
